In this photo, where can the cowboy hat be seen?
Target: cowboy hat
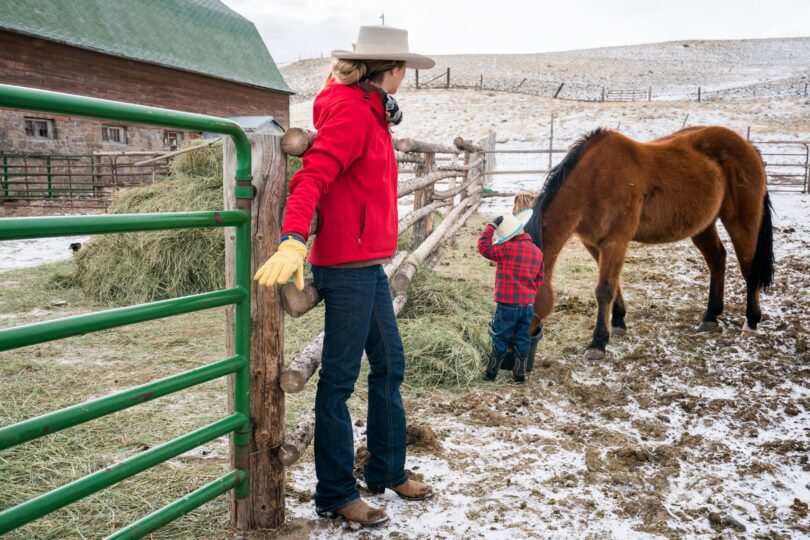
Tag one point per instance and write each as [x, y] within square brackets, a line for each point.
[511, 225]
[384, 43]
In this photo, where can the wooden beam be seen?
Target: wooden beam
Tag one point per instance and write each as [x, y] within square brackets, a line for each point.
[452, 192]
[402, 279]
[419, 182]
[296, 141]
[297, 442]
[412, 145]
[296, 303]
[177, 152]
[264, 505]
[466, 146]
[411, 218]
[406, 157]
[422, 197]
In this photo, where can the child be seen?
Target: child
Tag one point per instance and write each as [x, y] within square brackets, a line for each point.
[517, 279]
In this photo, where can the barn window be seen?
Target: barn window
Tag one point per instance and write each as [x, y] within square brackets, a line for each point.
[40, 128]
[114, 134]
[172, 139]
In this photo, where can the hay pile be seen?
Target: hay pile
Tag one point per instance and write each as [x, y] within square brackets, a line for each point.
[134, 268]
[444, 332]
[141, 267]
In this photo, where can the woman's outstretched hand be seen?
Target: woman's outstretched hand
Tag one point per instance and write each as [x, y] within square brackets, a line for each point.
[286, 262]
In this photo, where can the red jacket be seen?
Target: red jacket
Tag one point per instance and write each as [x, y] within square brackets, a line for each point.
[350, 174]
[520, 267]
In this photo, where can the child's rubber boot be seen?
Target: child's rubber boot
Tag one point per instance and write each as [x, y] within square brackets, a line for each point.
[494, 364]
[519, 369]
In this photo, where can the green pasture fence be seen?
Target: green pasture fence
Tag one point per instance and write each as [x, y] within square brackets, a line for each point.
[238, 423]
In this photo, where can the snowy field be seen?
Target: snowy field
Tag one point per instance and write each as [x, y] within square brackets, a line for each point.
[674, 70]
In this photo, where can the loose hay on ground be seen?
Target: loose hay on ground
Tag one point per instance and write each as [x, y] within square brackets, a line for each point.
[444, 332]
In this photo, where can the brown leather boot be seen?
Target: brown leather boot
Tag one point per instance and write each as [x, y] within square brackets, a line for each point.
[359, 512]
[410, 490]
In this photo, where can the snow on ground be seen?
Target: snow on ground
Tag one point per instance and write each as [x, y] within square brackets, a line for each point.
[675, 435]
[29, 253]
[674, 70]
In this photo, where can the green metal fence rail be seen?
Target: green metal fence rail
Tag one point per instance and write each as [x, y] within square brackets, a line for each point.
[238, 424]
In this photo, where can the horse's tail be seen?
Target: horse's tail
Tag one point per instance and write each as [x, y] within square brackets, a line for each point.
[762, 266]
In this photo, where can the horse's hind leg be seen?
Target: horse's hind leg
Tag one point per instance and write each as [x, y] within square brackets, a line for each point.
[710, 245]
[744, 238]
[611, 259]
[618, 327]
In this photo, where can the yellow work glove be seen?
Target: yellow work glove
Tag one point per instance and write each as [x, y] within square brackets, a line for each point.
[287, 261]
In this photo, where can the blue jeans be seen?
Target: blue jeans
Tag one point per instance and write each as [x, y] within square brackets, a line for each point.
[510, 328]
[359, 315]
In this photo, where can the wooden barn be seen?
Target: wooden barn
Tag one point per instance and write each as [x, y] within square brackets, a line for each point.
[192, 55]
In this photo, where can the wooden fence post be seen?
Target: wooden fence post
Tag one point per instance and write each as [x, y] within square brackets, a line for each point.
[423, 197]
[417, 79]
[698, 94]
[488, 144]
[264, 505]
[448, 78]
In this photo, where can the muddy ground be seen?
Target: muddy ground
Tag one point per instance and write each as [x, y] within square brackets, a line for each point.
[676, 434]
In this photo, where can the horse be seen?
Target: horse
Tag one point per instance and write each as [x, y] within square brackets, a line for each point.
[610, 189]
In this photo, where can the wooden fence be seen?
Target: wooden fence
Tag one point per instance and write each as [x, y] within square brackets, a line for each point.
[444, 177]
[787, 163]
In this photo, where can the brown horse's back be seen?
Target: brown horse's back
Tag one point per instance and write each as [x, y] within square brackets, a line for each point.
[669, 189]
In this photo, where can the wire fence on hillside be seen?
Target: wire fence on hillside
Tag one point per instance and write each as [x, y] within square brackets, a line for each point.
[445, 78]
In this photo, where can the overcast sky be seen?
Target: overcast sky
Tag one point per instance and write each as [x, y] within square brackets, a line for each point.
[294, 29]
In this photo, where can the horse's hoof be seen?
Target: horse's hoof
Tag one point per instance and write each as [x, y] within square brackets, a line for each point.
[747, 330]
[618, 331]
[708, 326]
[594, 354]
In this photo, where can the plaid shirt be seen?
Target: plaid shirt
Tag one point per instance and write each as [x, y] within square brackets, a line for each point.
[520, 267]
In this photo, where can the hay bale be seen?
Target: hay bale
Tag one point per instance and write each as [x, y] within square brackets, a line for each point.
[125, 269]
[141, 267]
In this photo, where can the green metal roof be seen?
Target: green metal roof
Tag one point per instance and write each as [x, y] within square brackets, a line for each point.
[203, 36]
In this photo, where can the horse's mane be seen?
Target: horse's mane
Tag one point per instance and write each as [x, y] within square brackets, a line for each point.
[554, 181]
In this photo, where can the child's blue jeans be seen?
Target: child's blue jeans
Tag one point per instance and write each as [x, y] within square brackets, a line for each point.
[510, 328]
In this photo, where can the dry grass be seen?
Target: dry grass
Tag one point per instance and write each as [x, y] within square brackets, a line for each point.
[140, 267]
[47, 377]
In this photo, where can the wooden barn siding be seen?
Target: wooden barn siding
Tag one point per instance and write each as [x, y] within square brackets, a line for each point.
[29, 61]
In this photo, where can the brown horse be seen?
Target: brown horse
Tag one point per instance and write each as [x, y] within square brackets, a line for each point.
[609, 190]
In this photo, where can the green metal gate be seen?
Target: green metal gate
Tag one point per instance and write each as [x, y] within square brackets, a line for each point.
[237, 423]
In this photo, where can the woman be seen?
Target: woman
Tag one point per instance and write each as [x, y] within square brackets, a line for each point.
[350, 175]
